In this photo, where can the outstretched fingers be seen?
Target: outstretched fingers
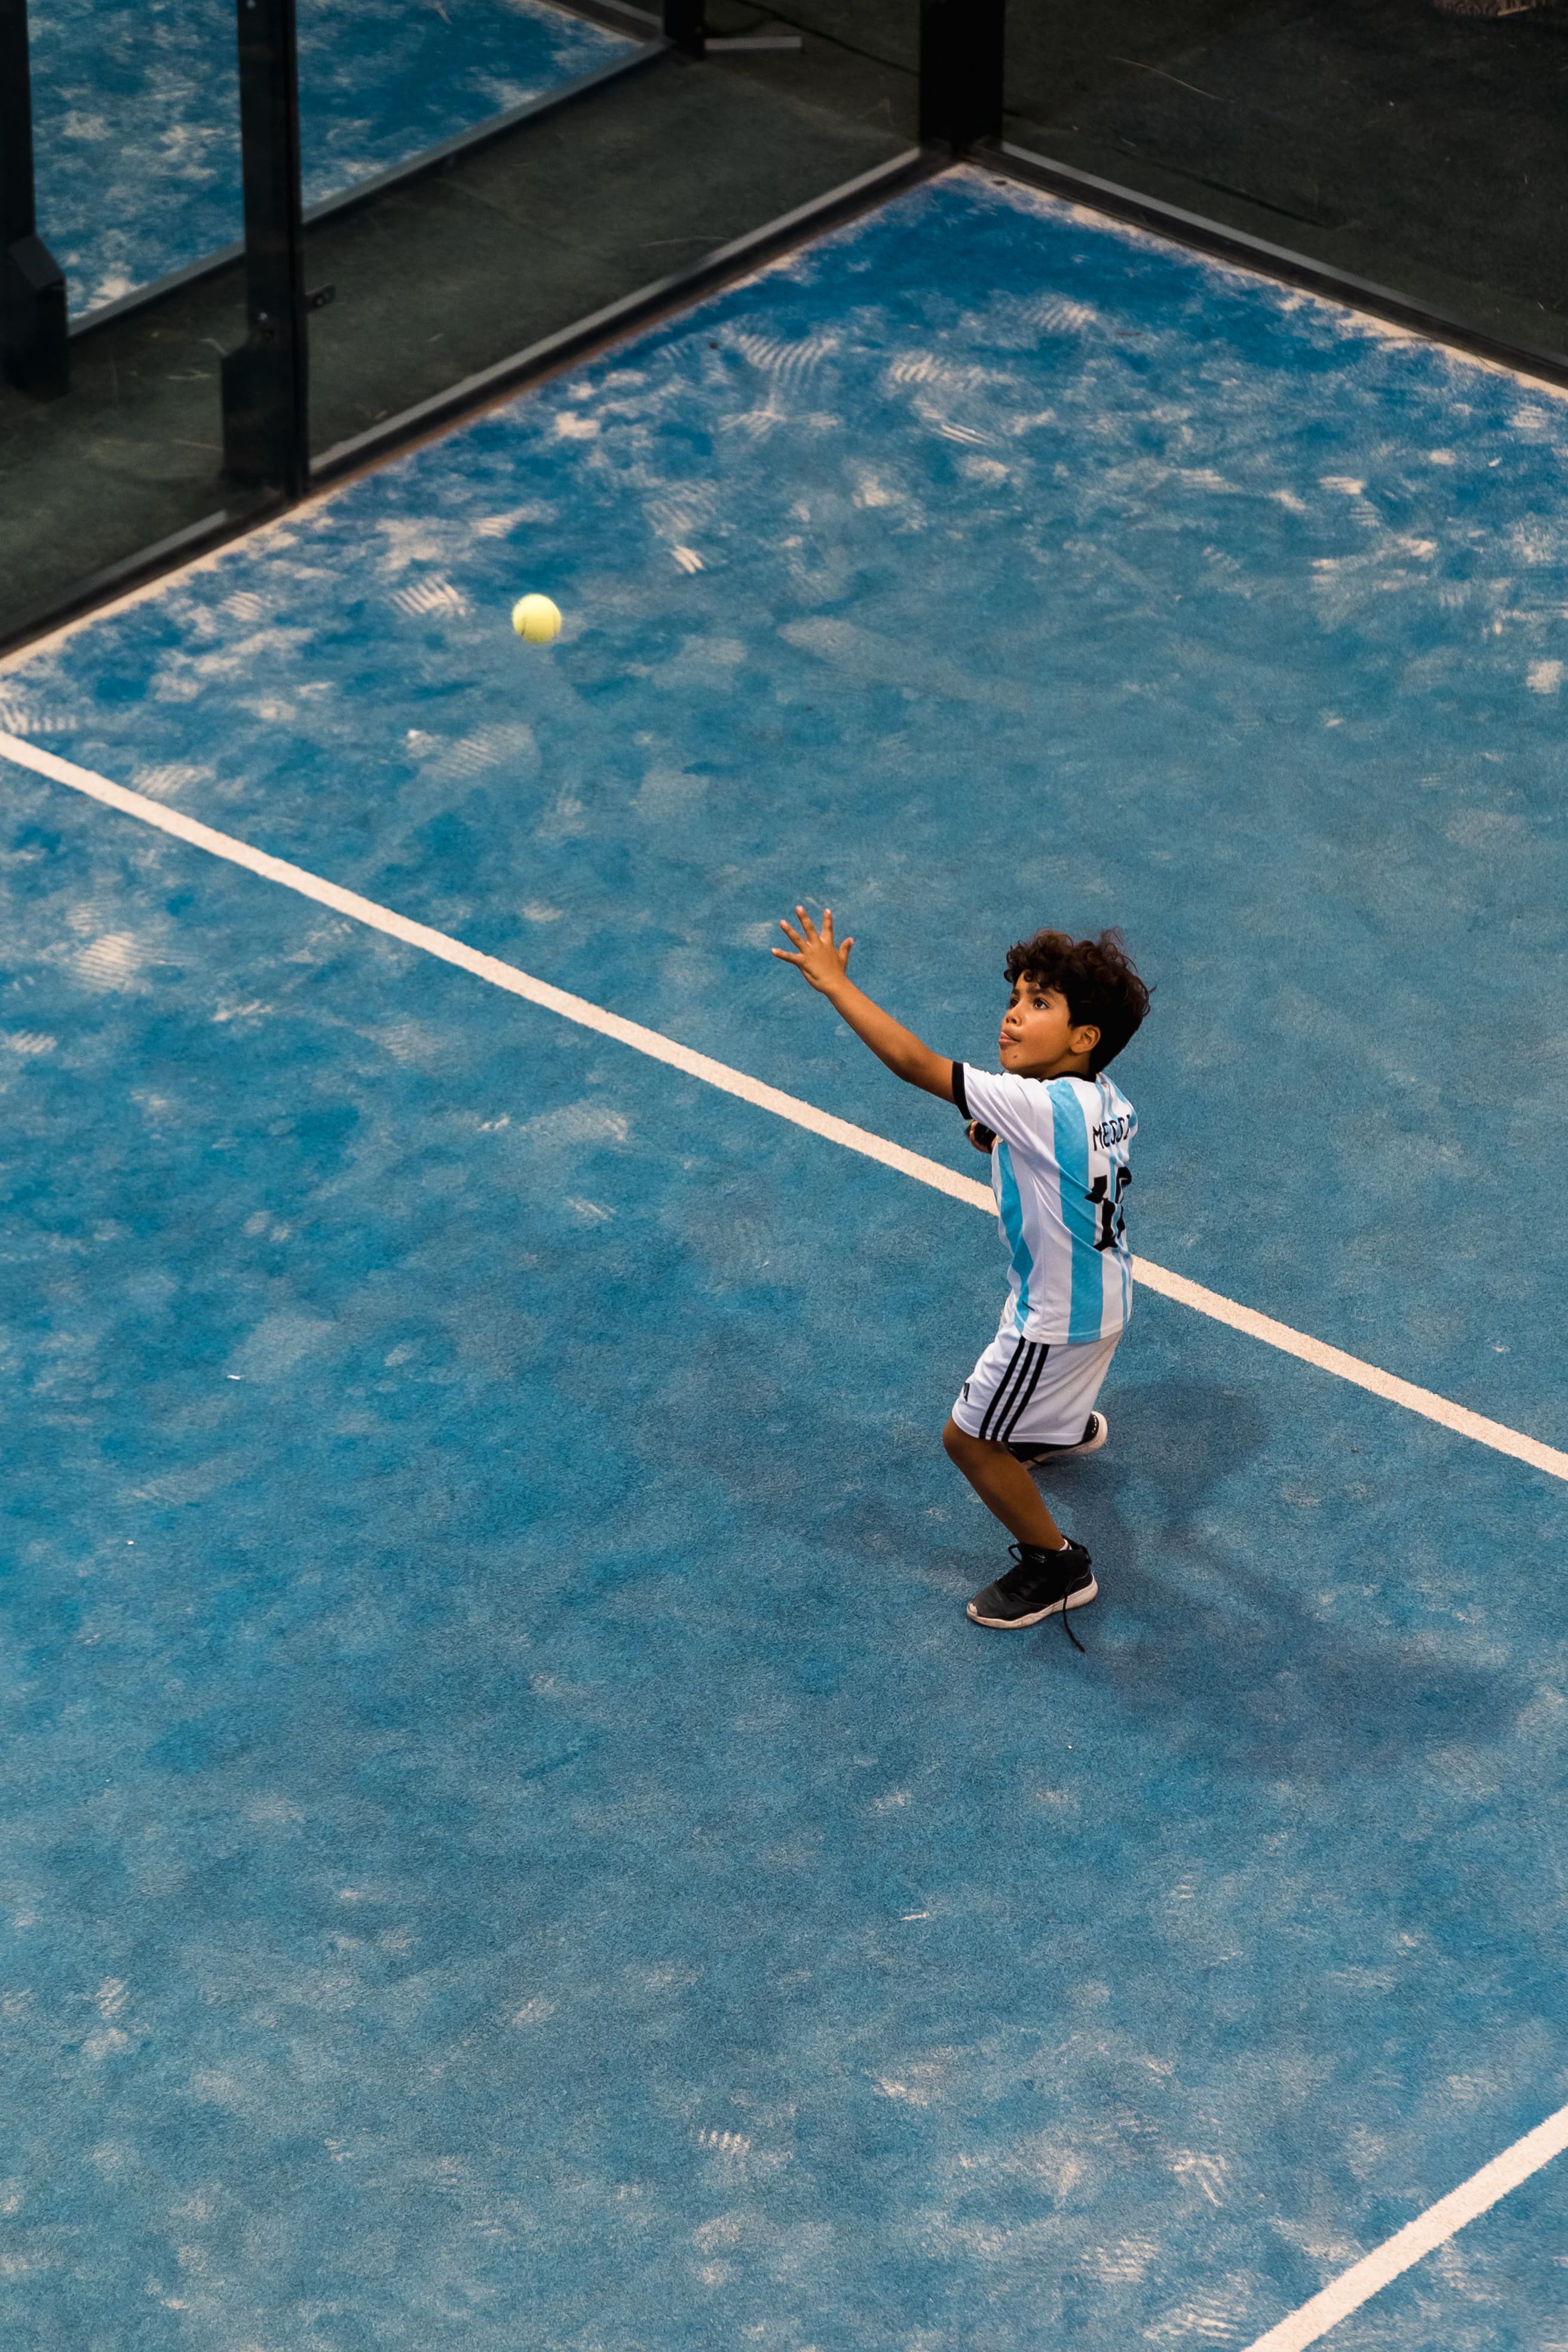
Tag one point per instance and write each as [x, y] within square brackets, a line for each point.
[808, 946]
[806, 938]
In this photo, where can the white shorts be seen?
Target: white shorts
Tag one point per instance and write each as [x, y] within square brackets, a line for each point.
[1022, 1392]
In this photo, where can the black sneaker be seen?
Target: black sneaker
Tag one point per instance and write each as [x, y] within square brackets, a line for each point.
[1042, 1583]
[1096, 1430]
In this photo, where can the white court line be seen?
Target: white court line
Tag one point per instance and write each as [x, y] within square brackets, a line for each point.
[1505, 2171]
[1441, 2221]
[1456, 1417]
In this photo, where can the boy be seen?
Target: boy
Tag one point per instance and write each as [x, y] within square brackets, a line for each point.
[1058, 1135]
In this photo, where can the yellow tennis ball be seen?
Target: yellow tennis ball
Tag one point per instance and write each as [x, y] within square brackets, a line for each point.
[537, 619]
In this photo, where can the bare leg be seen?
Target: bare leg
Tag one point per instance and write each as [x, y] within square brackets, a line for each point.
[1004, 1487]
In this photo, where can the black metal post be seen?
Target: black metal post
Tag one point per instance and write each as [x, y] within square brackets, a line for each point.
[686, 23]
[33, 326]
[960, 70]
[266, 403]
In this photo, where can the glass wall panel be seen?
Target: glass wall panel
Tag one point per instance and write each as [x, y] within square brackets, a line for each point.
[121, 445]
[136, 135]
[1414, 144]
[590, 200]
[137, 124]
[478, 176]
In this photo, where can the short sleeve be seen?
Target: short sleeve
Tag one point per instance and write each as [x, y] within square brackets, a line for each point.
[1018, 1109]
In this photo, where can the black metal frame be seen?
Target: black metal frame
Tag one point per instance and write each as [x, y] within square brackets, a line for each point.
[686, 26]
[33, 350]
[962, 44]
[266, 381]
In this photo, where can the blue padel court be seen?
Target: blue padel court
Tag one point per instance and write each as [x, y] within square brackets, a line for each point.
[138, 111]
[510, 1840]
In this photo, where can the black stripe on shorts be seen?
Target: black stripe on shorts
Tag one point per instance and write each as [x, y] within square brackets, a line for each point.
[1002, 1405]
[1026, 1389]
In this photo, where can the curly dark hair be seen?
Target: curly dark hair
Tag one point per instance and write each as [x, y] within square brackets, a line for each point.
[1096, 976]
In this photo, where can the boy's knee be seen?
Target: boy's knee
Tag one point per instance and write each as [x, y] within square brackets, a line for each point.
[958, 1446]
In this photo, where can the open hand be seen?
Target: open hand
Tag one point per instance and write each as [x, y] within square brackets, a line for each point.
[817, 954]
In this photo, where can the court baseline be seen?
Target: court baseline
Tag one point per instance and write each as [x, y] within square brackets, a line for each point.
[1516, 2163]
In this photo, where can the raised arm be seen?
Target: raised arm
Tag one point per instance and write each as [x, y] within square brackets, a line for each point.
[824, 964]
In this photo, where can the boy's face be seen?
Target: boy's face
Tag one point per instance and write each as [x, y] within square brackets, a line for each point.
[1040, 1037]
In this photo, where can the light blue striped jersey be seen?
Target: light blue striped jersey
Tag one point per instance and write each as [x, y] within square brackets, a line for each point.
[1060, 1170]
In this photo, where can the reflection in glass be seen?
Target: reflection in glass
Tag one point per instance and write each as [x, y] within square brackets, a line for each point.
[135, 107]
